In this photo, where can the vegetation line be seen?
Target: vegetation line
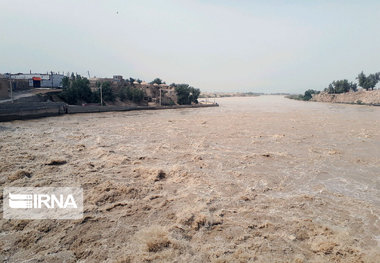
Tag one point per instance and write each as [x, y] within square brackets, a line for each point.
[342, 86]
[76, 91]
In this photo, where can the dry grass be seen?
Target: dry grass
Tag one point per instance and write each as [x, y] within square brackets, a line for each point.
[154, 238]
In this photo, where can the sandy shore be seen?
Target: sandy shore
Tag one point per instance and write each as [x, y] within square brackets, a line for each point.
[262, 179]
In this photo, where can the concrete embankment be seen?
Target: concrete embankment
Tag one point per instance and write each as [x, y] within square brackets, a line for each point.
[371, 97]
[21, 111]
[30, 110]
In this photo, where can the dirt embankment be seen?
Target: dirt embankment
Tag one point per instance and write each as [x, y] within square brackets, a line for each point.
[359, 97]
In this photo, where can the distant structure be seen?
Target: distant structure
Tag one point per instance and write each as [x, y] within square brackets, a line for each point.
[36, 80]
[117, 78]
[4, 87]
[154, 93]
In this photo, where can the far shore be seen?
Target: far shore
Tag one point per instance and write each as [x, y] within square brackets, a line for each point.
[362, 97]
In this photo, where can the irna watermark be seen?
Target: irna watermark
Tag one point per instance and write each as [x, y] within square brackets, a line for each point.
[43, 203]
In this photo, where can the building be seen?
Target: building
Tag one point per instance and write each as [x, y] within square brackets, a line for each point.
[117, 78]
[4, 88]
[37, 80]
[170, 90]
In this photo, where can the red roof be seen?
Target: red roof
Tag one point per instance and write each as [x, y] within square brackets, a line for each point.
[36, 78]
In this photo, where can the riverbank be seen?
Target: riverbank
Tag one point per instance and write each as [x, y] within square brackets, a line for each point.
[371, 97]
[24, 111]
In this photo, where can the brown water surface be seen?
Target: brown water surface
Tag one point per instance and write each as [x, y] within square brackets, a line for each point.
[263, 179]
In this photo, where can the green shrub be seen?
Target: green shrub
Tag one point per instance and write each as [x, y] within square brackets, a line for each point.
[368, 82]
[157, 81]
[76, 89]
[107, 92]
[186, 94]
[137, 95]
[341, 86]
[309, 94]
[133, 94]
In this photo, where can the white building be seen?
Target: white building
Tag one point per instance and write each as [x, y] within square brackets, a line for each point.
[38, 80]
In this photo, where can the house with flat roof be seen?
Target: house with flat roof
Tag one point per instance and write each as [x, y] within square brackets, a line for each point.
[38, 80]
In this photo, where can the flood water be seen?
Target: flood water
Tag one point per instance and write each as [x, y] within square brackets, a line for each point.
[256, 179]
[352, 132]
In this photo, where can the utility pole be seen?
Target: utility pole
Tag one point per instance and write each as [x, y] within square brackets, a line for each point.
[160, 97]
[101, 95]
[11, 86]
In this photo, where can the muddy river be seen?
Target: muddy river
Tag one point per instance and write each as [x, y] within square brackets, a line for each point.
[259, 179]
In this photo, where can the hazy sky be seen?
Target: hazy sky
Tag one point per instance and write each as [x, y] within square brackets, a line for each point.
[235, 45]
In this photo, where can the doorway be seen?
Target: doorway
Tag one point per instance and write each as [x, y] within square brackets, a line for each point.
[36, 82]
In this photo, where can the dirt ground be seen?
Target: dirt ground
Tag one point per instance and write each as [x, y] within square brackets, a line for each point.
[261, 179]
[359, 97]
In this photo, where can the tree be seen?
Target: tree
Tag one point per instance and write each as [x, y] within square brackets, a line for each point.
[82, 87]
[133, 94]
[77, 89]
[137, 95]
[157, 81]
[309, 94]
[107, 92]
[186, 94]
[368, 82]
[362, 79]
[123, 94]
[194, 94]
[341, 86]
[65, 82]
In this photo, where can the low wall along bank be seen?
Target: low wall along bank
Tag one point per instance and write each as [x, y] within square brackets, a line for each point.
[22, 111]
